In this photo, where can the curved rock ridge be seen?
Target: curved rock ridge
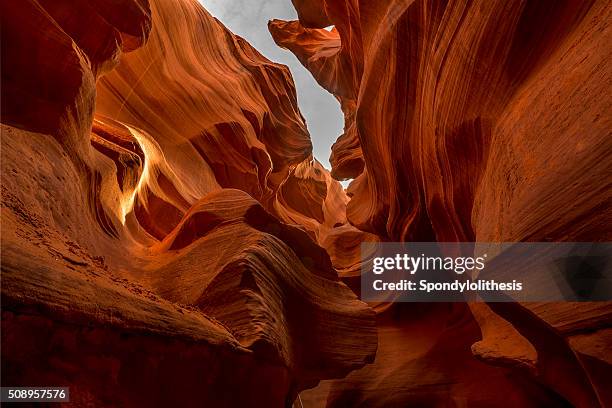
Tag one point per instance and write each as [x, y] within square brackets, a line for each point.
[177, 100]
[312, 200]
[471, 121]
[152, 161]
[38, 86]
[309, 197]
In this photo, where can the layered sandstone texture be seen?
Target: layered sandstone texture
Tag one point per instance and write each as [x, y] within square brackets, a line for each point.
[161, 214]
[168, 240]
[471, 121]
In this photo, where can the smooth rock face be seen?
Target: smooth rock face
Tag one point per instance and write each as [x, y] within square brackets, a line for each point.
[152, 162]
[168, 239]
[471, 121]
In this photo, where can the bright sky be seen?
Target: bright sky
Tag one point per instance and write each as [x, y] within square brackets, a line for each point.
[249, 19]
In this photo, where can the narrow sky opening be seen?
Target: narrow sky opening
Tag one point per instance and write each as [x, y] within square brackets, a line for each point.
[249, 20]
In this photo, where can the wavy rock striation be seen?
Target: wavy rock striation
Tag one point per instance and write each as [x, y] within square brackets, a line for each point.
[471, 121]
[152, 162]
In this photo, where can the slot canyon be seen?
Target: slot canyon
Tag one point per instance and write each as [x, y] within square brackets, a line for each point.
[169, 239]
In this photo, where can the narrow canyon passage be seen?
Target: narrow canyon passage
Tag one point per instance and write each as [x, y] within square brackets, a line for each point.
[168, 238]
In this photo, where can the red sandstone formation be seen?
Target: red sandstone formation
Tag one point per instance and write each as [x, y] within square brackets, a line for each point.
[168, 239]
[150, 159]
[471, 121]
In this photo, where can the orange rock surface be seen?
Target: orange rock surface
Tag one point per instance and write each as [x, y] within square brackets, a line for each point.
[150, 162]
[471, 121]
[169, 240]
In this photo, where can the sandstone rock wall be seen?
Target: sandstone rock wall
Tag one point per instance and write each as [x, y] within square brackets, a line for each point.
[471, 121]
[149, 158]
